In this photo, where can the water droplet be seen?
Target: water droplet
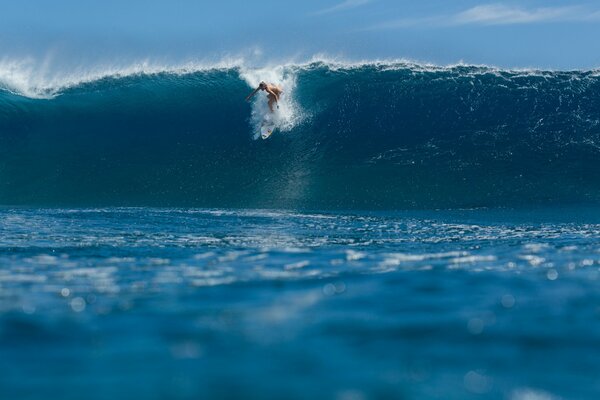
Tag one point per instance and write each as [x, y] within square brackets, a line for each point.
[475, 326]
[329, 289]
[78, 304]
[552, 274]
[508, 301]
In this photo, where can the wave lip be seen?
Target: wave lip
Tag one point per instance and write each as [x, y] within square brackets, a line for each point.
[26, 78]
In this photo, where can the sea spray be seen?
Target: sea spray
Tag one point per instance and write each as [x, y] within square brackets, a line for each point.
[288, 113]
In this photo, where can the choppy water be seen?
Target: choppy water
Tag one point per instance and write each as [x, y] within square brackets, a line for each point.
[191, 303]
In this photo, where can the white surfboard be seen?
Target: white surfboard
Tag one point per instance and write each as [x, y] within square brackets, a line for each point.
[267, 127]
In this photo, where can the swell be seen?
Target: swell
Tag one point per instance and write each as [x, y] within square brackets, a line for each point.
[362, 136]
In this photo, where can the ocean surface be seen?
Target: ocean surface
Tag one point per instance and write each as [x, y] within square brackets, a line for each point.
[409, 232]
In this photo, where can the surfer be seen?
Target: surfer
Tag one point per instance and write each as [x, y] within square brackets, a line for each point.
[274, 92]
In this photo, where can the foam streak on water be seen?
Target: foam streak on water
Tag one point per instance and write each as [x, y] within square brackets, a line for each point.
[189, 303]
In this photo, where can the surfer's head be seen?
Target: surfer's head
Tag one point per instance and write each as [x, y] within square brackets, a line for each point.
[262, 86]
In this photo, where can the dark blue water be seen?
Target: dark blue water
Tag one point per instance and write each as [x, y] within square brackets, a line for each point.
[378, 136]
[147, 303]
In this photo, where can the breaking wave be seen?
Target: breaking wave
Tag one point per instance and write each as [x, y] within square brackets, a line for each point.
[365, 135]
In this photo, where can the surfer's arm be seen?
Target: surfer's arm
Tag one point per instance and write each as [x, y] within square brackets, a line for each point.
[251, 94]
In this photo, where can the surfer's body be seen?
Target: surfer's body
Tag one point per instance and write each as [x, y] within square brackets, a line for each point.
[274, 93]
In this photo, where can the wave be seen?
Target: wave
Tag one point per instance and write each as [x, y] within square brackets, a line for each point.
[351, 135]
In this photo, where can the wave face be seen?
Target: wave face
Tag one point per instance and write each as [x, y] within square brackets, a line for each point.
[370, 136]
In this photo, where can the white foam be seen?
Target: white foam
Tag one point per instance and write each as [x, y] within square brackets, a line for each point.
[289, 113]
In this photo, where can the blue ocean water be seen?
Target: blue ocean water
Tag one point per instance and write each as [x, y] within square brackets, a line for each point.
[409, 232]
[161, 303]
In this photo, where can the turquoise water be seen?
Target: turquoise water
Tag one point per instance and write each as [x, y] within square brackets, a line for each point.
[383, 136]
[154, 303]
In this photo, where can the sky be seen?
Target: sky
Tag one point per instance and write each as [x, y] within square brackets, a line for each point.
[554, 34]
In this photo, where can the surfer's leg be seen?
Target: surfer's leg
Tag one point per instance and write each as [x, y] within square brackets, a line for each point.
[272, 100]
